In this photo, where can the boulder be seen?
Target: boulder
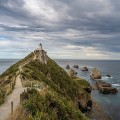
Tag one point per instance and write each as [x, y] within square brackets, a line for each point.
[108, 75]
[95, 74]
[88, 89]
[84, 69]
[72, 73]
[76, 73]
[76, 66]
[85, 105]
[105, 88]
[67, 67]
[114, 90]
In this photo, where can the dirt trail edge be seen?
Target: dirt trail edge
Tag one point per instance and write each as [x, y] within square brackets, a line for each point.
[5, 108]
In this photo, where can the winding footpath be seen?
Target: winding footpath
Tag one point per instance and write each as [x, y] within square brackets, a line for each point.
[5, 108]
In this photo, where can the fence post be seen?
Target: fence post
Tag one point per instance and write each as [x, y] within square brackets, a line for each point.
[37, 84]
[20, 98]
[10, 86]
[31, 84]
[11, 107]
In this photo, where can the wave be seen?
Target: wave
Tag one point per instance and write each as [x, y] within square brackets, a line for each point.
[116, 85]
[106, 78]
[108, 101]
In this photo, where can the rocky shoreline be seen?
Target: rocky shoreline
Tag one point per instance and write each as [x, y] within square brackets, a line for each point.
[97, 112]
[102, 86]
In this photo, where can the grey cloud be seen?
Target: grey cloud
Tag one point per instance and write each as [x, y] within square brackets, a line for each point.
[90, 23]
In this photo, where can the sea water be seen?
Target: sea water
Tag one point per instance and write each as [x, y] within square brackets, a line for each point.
[6, 63]
[111, 102]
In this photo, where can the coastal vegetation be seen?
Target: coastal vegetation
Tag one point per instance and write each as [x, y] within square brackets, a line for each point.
[48, 106]
[7, 78]
[59, 96]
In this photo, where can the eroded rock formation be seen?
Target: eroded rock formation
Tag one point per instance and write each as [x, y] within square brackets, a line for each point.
[84, 69]
[95, 74]
[105, 88]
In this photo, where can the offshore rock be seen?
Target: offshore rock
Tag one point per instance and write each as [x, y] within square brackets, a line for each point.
[67, 67]
[84, 69]
[108, 75]
[95, 74]
[76, 66]
[105, 88]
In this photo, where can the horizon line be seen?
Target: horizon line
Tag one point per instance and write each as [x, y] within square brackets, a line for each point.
[63, 59]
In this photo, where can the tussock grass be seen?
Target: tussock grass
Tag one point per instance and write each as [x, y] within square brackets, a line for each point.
[60, 99]
[49, 106]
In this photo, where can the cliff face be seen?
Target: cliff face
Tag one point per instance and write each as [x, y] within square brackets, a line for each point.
[62, 95]
[58, 81]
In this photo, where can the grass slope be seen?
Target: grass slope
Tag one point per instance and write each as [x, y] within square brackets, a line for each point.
[8, 77]
[62, 86]
[64, 100]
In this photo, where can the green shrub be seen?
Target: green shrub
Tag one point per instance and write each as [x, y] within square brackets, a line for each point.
[61, 101]
[14, 68]
[60, 81]
[52, 107]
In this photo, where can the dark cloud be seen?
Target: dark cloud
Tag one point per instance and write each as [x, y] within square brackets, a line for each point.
[79, 25]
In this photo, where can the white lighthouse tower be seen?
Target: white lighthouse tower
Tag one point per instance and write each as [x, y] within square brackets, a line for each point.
[40, 46]
[43, 55]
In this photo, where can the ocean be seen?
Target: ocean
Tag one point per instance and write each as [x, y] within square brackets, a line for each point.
[111, 102]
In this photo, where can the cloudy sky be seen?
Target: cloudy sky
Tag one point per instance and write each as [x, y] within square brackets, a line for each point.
[68, 29]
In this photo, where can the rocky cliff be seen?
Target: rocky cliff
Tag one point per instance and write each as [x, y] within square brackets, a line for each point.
[60, 97]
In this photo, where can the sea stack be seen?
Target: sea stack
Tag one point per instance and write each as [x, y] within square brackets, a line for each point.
[105, 88]
[108, 75]
[67, 67]
[76, 66]
[84, 69]
[95, 74]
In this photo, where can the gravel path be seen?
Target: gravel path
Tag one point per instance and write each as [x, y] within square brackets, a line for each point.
[5, 108]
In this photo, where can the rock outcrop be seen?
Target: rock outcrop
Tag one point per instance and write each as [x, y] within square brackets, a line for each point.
[60, 92]
[95, 74]
[85, 106]
[67, 67]
[72, 73]
[105, 88]
[88, 89]
[76, 66]
[108, 75]
[84, 69]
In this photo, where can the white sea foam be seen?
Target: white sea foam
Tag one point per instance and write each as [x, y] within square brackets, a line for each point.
[90, 67]
[106, 78]
[117, 85]
[108, 101]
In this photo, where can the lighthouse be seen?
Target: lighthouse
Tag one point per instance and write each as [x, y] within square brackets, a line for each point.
[41, 54]
[40, 46]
